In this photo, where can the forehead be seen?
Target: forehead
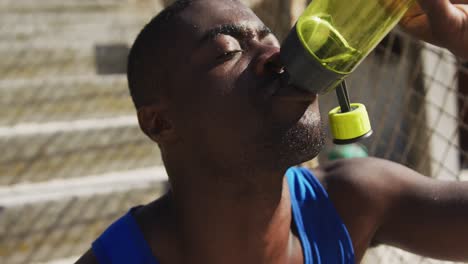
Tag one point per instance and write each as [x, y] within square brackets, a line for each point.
[203, 15]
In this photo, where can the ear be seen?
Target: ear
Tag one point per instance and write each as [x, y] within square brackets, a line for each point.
[155, 124]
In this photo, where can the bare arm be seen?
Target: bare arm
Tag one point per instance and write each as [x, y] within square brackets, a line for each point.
[425, 216]
[403, 208]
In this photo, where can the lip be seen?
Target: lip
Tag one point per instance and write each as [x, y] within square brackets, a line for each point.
[286, 91]
[293, 93]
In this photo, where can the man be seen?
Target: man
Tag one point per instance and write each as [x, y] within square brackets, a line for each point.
[205, 78]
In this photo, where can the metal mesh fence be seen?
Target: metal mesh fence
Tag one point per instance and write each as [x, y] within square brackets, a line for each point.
[74, 159]
[416, 95]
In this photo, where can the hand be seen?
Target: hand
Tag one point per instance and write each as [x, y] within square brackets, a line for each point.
[440, 22]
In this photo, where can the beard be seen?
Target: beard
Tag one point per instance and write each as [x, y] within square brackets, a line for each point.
[291, 144]
[303, 141]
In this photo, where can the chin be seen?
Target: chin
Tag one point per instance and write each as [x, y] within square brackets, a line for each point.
[303, 141]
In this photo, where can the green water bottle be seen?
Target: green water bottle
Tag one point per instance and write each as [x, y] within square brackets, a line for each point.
[330, 39]
[347, 152]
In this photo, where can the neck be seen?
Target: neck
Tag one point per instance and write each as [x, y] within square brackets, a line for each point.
[232, 215]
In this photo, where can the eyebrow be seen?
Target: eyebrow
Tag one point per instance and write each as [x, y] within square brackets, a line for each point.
[237, 31]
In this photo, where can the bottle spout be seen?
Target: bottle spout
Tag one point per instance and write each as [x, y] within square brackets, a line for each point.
[343, 97]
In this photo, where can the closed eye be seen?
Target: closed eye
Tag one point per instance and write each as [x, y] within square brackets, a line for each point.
[229, 54]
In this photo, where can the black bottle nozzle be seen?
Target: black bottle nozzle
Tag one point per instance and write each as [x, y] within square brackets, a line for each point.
[343, 97]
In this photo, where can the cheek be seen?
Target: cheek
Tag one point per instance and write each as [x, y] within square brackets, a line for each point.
[211, 102]
[223, 100]
[220, 83]
[229, 74]
[230, 87]
[291, 113]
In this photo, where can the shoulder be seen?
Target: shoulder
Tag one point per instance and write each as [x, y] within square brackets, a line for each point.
[378, 184]
[87, 258]
[363, 175]
[362, 191]
[358, 183]
[359, 166]
[368, 182]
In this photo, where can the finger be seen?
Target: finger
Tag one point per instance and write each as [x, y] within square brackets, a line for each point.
[442, 14]
[419, 27]
[436, 9]
[463, 2]
[448, 24]
[414, 11]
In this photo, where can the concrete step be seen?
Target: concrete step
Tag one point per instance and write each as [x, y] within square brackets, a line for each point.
[44, 60]
[62, 150]
[82, 33]
[63, 99]
[69, 17]
[66, 260]
[24, 6]
[67, 225]
[22, 62]
[59, 30]
[28, 26]
[73, 24]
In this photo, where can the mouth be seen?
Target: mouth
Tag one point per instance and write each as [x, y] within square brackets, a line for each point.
[290, 92]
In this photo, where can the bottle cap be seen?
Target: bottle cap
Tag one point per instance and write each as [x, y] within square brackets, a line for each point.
[351, 126]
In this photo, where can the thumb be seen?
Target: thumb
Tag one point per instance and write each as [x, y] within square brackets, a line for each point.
[445, 19]
[434, 6]
[448, 24]
[439, 12]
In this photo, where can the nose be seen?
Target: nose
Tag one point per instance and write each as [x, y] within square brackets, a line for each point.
[269, 62]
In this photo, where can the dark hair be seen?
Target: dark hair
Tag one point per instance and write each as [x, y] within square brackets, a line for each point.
[144, 68]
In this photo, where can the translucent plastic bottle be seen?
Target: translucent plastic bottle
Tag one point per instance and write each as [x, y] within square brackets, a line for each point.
[332, 37]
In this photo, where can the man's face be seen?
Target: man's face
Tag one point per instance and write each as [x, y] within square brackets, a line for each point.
[225, 100]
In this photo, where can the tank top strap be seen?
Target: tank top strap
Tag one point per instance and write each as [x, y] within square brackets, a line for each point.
[323, 235]
[123, 243]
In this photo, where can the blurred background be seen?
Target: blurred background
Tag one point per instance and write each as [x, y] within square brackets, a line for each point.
[74, 159]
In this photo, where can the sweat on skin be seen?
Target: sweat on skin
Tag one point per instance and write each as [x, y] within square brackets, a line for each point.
[228, 129]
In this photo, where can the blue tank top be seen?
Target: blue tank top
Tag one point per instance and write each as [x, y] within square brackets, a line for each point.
[322, 233]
